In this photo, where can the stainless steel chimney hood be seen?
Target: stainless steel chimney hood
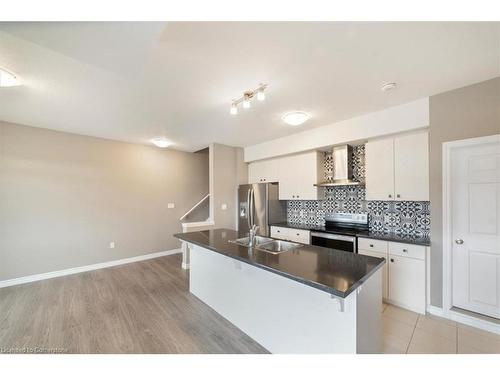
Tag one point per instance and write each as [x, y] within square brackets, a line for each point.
[342, 168]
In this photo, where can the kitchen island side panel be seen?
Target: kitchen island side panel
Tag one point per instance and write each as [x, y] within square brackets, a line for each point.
[282, 315]
[369, 315]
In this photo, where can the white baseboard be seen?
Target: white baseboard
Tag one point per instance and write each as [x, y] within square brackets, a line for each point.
[91, 267]
[466, 319]
[436, 311]
[406, 307]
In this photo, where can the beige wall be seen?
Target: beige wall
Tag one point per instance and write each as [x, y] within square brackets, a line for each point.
[468, 112]
[65, 197]
[227, 171]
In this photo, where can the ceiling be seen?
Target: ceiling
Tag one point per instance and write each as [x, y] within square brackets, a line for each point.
[132, 81]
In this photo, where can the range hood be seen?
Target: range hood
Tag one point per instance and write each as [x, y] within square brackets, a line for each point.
[342, 168]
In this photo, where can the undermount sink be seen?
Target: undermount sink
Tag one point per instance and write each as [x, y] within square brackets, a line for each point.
[267, 244]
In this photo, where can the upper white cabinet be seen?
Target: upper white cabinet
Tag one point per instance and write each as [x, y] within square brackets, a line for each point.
[263, 171]
[296, 175]
[398, 168]
[379, 169]
[411, 167]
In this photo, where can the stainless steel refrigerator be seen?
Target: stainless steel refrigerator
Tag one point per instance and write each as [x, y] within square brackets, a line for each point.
[259, 204]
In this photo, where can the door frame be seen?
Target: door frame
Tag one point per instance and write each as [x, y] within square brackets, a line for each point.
[447, 148]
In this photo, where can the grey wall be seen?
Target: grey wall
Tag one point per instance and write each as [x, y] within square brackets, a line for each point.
[65, 197]
[227, 171]
[468, 112]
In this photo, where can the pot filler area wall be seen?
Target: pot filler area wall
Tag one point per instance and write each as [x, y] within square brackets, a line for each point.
[389, 217]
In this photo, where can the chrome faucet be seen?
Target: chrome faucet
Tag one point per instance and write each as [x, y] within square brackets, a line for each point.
[251, 235]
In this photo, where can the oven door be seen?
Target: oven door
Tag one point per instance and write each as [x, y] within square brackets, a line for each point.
[334, 241]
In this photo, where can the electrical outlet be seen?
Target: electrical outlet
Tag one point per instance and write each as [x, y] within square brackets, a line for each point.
[111, 245]
[171, 205]
[224, 206]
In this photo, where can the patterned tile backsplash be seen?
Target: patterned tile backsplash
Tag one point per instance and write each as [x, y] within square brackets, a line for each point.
[402, 218]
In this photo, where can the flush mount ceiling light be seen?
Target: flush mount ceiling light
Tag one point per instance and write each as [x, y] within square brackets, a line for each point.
[161, 142]
[296, 118]
[388, 86]
[8, 79]
[246, 98]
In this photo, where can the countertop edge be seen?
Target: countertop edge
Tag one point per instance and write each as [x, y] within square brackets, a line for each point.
[310, 283]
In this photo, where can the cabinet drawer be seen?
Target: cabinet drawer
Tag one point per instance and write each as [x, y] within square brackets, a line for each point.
[300, 235]
[372, 245]
[407, 250]
[280, 233]
[290, 234]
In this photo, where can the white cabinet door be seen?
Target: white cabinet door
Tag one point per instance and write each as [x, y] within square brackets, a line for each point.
[305, 176]
[407, 283]
[272, 170]
[411, 167]
[385, 270]
[255, 172]
[379, 159]
[263, 171]
[298, 174]
[287, 177]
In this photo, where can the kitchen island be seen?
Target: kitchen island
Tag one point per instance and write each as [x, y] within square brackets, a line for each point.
[306, 300]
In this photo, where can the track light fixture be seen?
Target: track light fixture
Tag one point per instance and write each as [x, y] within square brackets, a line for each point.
[246, 98]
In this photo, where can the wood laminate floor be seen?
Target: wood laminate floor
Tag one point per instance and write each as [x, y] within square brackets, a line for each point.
[146, 307]
[142, 307]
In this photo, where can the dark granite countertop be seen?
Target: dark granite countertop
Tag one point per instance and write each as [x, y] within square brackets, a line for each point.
[423, 241]
[333, 271]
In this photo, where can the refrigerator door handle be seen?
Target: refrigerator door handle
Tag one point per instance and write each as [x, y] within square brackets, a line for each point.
[252, 198]
[248, 207]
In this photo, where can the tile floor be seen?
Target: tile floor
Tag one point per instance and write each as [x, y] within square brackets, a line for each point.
[412, 333]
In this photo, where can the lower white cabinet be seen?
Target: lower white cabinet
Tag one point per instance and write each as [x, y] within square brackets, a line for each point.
[407, 283]
[404, 273]
[290, 234]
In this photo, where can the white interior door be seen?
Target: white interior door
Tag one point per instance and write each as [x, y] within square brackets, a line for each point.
[475, 205]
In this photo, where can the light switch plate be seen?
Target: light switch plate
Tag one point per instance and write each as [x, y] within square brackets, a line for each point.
[224, 206]
[111, 245]
[171, 205]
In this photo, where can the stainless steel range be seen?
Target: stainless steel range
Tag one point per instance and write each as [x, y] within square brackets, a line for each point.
[340, 231]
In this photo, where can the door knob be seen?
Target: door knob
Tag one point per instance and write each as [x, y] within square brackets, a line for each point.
[459, 241]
